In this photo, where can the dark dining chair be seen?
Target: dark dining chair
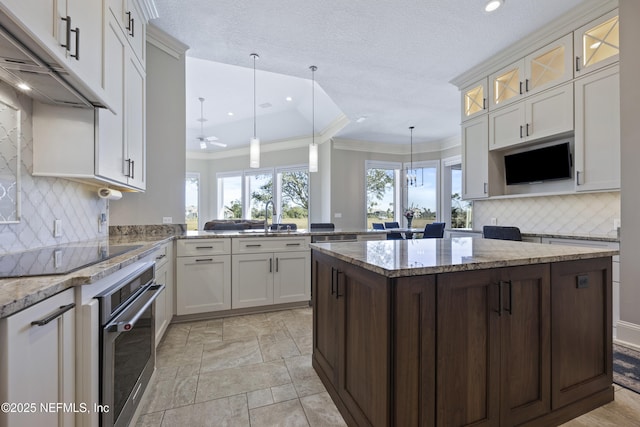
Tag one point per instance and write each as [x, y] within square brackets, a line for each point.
[393, 236]
[377, 225]
[501, 232]
[435, 230]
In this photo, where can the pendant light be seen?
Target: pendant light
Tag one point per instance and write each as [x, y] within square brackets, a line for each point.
[313, 148]
[413, 180]
[254, 143]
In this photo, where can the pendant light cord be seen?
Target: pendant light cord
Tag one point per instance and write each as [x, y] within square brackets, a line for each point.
[313, 69]
[255, 56]
[411, 152]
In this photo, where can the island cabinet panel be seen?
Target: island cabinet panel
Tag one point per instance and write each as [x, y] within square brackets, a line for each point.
[414, 359]
[581, 336]
[351, 339]
[493, 346]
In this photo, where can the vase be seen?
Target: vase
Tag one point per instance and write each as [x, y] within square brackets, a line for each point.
[409, 222]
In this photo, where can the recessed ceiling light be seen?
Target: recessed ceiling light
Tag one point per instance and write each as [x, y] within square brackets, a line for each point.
[361, 119]
[24, 86]
[230, 113]
[289, 99]
[493, 5]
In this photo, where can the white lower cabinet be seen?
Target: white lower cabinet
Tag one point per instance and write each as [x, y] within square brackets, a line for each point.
[203, 280]
[164, 304]
[270, 270]
[37, 364]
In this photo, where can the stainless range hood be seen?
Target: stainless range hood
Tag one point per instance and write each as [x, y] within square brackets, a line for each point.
[22, 60]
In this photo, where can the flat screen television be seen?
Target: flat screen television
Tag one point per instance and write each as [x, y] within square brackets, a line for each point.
[541, 164]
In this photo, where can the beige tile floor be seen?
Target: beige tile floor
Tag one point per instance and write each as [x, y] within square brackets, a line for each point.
[255, 370]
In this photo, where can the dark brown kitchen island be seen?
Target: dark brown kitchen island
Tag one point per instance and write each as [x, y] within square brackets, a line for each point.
[463, 331]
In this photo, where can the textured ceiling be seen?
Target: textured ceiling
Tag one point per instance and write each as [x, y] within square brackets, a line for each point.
[389, 61]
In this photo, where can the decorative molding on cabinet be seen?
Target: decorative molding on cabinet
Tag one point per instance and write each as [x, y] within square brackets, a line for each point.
[149, 10]
[165, 42]
[575, 18]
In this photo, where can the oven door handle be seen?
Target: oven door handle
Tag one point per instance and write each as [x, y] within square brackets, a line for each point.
[126, 320]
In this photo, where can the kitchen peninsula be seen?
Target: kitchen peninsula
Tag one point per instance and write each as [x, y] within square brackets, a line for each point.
[462, 331]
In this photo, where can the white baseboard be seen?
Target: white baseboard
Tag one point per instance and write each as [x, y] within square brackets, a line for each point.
[628, 334]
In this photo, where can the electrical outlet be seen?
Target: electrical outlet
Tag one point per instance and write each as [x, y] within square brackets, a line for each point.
[337, 215]
[167, 220]
[57, 228]
[494, 221]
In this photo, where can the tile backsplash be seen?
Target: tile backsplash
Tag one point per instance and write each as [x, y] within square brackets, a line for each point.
[45, 199]
[590, 214]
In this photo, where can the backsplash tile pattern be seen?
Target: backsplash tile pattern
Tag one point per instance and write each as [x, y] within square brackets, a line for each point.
[45, 199]
[590, 214]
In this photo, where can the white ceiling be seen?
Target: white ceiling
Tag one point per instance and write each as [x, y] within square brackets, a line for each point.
[389, 61]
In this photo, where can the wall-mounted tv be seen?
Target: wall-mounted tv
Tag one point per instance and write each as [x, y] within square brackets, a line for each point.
[540, 164]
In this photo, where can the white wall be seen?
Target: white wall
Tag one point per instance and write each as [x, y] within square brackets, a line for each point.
[629, 326]
[166, 130]
[45, 199]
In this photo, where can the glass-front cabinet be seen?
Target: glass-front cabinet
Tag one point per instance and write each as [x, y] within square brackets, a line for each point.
[542, 69]
[474, 99]
[597, 43]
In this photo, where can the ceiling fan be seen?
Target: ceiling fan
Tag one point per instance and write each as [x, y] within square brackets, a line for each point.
[206, 139]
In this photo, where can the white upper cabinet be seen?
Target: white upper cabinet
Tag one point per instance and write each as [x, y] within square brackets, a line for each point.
[474, 99]
[597, 43]
[545, 68]
[597, 137]
[475, 160]
[132, 22]
[539, 116]
[69, 30]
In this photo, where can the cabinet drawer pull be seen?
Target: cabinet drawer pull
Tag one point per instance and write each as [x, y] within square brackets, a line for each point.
[527, 129]
[133, 27]
[577, 177]
[520, 88]
[128, 173]
[338, 273]
[276, 265]
[485, 188]
[128, 21]
[333, 280]
[270, 265]
[204, 247]
[67, 43]
[526, 85]
[577, 63]
[520, 131]
[484, 103]
[133, 169]
[293, 244]
[204, 259]
[257, 245]
[159, 257]
[63, 309]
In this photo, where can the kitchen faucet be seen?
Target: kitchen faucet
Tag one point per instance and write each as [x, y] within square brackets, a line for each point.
[266, 214]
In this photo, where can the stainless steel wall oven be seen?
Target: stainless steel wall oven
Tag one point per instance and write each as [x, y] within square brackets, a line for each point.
[127, 354]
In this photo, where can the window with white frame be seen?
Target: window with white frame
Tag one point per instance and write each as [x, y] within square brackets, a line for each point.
[457, 213]
[421, 195]
[244, 194]
[382, 194]
[192, 200]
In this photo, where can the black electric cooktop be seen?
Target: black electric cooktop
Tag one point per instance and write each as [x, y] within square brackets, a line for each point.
[57, 259]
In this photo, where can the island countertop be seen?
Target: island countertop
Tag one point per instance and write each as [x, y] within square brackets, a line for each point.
[401, 258]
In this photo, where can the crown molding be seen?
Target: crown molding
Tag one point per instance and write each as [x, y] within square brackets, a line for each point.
[400, 149]
[165, 42]
[149, 10]
[563, 25]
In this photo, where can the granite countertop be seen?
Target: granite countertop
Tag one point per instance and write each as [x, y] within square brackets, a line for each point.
[214, 234]
[399, 258]
[21, 292]
[611, 237]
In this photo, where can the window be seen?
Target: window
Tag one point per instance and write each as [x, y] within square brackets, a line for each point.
[423, 199]
[230, 196]
[382, 195]
[258, 191]
[292, 196]
[458, 212]
[244, 194]
[192, 197]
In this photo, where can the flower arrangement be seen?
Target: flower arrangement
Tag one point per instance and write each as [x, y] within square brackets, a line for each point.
[411, 212]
